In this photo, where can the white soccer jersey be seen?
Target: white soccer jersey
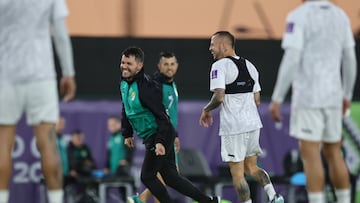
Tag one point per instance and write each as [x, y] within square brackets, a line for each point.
[26, 52]
[238, 112]
[321, 31]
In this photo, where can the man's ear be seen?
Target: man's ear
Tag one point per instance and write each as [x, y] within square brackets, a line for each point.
[140, 66]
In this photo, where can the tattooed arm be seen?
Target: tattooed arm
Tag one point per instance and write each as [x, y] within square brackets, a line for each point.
[217, 99]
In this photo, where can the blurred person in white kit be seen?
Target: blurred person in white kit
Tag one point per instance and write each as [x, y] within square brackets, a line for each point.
[28, 82]
[320, 64]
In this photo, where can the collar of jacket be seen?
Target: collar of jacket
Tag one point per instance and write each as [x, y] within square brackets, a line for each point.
[138, 75]
[162, 78]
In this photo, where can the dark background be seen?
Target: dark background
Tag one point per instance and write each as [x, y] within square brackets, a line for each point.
[97, 61]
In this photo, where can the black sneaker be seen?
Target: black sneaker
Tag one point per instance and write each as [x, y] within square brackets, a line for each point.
[215, 199]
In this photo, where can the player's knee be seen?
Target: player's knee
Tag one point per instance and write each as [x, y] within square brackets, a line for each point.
[51, 165]
[237, 176]
[332, 153]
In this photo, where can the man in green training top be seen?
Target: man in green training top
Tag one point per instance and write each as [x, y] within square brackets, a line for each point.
[144, 113]
[167, 68]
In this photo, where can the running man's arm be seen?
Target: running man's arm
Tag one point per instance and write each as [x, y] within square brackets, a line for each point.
[150, 97]
[126, 128]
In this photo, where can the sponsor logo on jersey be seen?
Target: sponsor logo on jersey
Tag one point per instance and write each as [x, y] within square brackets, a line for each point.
[132, 96]
[214, 74]
[290, 27]
[242, 83]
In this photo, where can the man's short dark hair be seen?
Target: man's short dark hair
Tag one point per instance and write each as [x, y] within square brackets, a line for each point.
[167, 54]
[227, 35]
[136, 52]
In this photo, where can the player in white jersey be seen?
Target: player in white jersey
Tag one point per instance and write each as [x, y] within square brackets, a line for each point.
[234, 82]
[28, 82]
[318, 41]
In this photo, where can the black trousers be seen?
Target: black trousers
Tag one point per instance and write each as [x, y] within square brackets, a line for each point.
[165, 165]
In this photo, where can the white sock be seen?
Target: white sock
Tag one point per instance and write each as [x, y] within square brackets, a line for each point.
[270, 191]
[4, 196]
[343, 195]
[248, 201]
[56, 196]
[316, 197]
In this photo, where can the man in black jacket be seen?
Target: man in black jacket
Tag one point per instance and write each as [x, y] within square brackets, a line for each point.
[144, 113]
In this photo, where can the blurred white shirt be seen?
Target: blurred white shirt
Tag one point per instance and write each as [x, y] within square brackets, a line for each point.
[321, 31]
[26, 52]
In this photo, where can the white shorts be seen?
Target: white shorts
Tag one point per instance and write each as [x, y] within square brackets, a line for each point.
[39, 100]
[234, 148]
[318, 125]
